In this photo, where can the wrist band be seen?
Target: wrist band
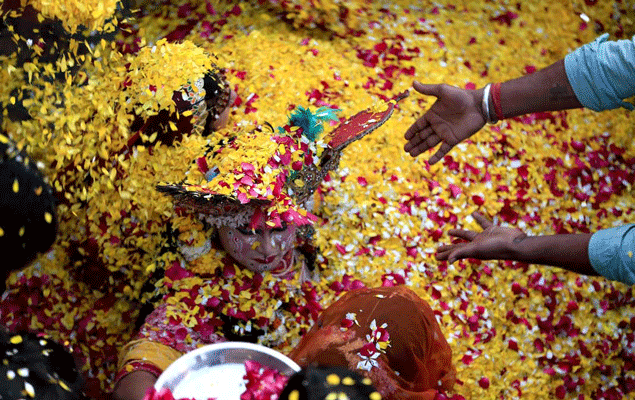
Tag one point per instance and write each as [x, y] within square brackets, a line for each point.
[496, 99]
[485, 105]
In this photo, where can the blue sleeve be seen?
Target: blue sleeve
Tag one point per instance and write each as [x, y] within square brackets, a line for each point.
[602, 73]
[612, 251]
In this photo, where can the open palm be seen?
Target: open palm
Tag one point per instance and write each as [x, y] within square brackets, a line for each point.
[455, 116]
[492, 243]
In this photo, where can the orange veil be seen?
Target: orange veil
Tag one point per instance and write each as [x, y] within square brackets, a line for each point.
[388, 334]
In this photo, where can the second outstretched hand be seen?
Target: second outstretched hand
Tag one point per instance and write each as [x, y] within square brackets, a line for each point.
[568, 251]
[493, 243]
[455, 116]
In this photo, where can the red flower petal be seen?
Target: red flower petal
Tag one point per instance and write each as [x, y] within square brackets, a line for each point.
[483, 382]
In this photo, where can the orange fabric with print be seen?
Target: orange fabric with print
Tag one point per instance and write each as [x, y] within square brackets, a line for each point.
[388, 334]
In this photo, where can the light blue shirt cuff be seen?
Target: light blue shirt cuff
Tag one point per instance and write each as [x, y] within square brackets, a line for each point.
[612, 253]
[602, 73]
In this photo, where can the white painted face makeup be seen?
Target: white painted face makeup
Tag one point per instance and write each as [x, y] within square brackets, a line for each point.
[258, 250]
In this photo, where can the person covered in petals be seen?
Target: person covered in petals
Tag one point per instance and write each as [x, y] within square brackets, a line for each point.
[97, 245]
[389, 335]
[600, 76]
[239, 267]
[161, 106]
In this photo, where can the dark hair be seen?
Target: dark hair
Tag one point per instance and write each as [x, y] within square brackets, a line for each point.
[29, 225]
[320, 383]
[36, 367]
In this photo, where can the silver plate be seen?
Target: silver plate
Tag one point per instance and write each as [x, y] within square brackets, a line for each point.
[217, 370]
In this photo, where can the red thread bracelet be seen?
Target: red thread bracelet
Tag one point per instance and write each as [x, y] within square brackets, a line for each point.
[496, 99]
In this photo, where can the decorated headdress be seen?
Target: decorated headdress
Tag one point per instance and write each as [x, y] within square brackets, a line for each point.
[170, 101]
[269, 176]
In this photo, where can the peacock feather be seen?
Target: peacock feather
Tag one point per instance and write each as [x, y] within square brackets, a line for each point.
[311, 122]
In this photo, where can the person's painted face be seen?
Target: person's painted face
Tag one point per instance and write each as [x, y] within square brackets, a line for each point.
[261, 249]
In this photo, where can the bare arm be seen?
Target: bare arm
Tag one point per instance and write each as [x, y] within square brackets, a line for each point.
[503, 243]
[570, 252]
[546, 90]
[134, 386]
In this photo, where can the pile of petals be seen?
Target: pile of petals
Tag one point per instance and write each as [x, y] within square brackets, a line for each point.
[262, 383]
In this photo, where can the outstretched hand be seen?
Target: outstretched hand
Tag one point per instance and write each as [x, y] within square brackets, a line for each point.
[455, 116]
[493, 243]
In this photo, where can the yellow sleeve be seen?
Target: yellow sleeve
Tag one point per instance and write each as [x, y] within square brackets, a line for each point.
[148, 351]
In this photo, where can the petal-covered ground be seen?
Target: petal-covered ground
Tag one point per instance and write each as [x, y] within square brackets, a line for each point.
[517, 331]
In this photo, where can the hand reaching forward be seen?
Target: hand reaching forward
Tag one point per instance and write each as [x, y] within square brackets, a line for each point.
[455, 116]
[493, 243]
